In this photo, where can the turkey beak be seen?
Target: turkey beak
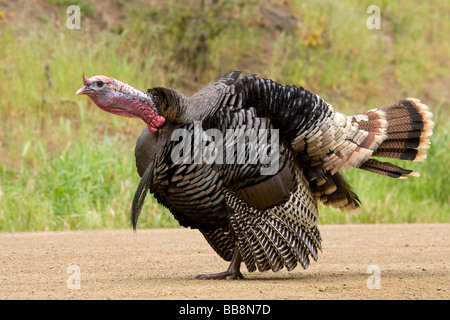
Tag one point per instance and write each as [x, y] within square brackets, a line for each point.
[83, 90]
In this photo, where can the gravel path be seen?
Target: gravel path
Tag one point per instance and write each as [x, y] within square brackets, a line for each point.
[404, 261]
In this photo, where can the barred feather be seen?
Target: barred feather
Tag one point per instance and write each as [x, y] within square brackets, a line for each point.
[277, 237]
[409, 125]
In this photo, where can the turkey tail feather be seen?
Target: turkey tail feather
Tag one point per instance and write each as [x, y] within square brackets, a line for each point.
[387, 169]
[407, 126]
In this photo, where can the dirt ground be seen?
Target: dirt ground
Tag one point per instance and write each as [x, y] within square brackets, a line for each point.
[405, 261]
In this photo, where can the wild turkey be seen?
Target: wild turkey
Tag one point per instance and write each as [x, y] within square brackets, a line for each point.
[268, 221]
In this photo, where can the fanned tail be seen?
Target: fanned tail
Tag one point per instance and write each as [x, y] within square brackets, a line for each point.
[399, 130]
[406, 126]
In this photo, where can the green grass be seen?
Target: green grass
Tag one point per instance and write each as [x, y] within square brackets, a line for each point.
[65, 164]
[89, 185]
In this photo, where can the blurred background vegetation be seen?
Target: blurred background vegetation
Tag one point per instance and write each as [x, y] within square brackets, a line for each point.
[65, 164]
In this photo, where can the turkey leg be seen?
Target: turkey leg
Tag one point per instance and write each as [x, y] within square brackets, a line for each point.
[232, 272]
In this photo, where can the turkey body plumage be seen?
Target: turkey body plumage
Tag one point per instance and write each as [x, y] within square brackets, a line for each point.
[268, 221]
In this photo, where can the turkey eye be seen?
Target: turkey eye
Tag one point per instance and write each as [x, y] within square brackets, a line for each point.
[99, 84]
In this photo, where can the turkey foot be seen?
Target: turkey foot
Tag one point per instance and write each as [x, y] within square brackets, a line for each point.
[232, 272]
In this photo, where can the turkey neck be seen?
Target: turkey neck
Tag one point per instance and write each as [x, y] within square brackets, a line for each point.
[128, 101]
